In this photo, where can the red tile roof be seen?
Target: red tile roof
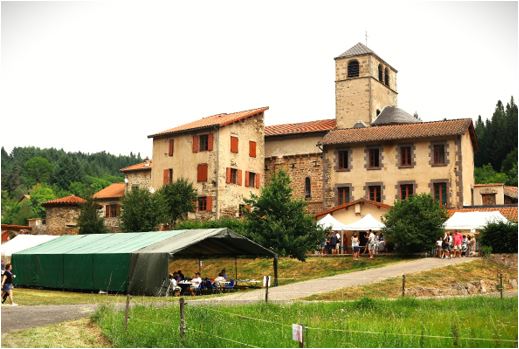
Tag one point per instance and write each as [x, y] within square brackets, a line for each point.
[70, 200]
[142, 166]
[511, 191]
[218, 120]
[114, 190]
[401, 132]
[348, 204]
[489, 185]
[510, 212]
[300, 127]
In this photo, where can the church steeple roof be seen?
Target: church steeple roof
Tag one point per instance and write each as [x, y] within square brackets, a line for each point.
[357, 50]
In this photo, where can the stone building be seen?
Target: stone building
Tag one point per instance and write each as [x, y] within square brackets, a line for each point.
[62, 215]
[138, 175]
[222, 155]
[109, 201]
[493, 194]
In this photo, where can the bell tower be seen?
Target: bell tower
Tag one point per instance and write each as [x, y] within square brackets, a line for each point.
[364, 85]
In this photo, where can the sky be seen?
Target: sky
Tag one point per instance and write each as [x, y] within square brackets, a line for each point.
[103, 75]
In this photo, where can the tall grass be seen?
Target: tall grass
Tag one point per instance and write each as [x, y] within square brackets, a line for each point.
[364, 323]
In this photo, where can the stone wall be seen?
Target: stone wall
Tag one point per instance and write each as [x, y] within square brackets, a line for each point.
[62, 220]
[141, 179]
[113, 224]
[298, 168]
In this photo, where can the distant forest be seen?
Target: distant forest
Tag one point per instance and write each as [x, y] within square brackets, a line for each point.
[496, 158]
[46, 174]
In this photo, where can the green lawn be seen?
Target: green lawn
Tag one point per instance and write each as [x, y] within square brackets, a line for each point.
[407, 322]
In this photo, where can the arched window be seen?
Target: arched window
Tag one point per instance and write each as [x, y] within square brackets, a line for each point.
[353, 68]
[380, 73]
[308, 188]
[386, 77]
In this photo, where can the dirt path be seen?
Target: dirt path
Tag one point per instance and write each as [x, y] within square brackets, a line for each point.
[22, 317]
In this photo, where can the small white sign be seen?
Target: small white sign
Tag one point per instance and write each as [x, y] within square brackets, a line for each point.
[265, 281]
[297, 333]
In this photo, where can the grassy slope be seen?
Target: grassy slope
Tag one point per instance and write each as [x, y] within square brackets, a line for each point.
[443, 278]
[73, 334]
[460, 318]
[289, 269]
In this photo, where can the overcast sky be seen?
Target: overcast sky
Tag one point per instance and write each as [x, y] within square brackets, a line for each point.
[93, 76]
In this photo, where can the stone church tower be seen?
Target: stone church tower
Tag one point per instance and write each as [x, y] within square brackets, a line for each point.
[364, 85]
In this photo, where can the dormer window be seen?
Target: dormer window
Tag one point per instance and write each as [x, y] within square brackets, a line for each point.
[353, 68]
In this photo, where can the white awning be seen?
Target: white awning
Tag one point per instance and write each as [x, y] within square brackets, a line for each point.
[473, 220]
[329, 222]
[368, 222]
[22, 242]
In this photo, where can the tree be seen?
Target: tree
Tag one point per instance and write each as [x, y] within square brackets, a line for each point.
[179, 198]
[142, 211]
[68, 170]
[89, 220]
[279, 222]
[40, 193]
[413, 225]
[487, 174]
[37, 170]
[502, 237]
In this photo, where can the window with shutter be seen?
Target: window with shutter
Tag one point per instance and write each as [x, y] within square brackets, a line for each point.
[203, 142]
[440, 193]
[195, 144]
[342, 160]
[166, 176]
[252, 149]
[258, 181]
[343, 195]
[406, 191]
[405, 156]
[202, 203]
[375, 193]
[439, 154]
[234, 144]
[238, 177]
[210, 141]
[374, 158]
[228, 172]
[171, 147]
[201, 175]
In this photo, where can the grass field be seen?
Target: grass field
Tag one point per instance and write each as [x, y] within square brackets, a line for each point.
[289, 269]
[72, 334]
[406, 322]
[443, 279]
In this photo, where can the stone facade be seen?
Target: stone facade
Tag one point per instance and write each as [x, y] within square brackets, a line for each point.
[62, 220]
[226, 198]
[359, 98]
[141, 179]
[112, 222]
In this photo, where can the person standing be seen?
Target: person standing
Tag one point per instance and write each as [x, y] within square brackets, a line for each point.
[338, 243]
[372, 244]
[355, 246]
[7, 284]
[333, 243]
[458, 240]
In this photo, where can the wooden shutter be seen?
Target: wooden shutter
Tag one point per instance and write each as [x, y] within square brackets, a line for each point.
[238, 177]
[234, 144]
[209, 204]
[171, 147]
[252, 149]
[228, 175]
[107, 211]
[246, 178]
[195, 144]
[201, 173]
[210, 140]
[165, 176]
[257, 180]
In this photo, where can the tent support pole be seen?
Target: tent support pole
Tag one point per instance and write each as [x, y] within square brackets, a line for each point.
[199, 267]
[235, 268]
[275, 270]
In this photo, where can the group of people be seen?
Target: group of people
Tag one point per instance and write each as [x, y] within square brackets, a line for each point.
[455, 245]
[332, 244]
[196, 283]
[373, 243]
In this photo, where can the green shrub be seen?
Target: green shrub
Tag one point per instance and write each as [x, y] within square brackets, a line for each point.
[485, 250]
[502, 237]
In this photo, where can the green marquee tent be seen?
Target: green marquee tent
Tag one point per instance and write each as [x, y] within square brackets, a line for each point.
[124, 262]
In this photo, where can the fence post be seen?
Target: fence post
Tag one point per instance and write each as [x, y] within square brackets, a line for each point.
[501, 284]
[267, 289]
[182, 327]
[403, 285]
[126, 310]
[303, 335]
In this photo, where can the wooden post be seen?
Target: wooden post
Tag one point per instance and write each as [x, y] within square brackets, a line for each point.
[126, 311]
[235, 268]
[182, 327]
[267, 289]
[303, 335]
[275, 270]
[403, 285]
[501, 284]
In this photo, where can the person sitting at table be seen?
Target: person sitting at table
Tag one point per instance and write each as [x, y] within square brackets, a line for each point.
[173, 285]
[195, 283]
[224, 273]
[219, 281]
[180, 275]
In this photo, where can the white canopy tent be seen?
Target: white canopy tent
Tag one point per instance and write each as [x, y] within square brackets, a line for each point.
[329, 221]
[368, 222]
[473, 220]
[22, 242]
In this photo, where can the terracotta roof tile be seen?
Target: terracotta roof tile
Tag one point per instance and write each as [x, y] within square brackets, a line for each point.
[219, 120]
[142, 166]
[301, 127]
[348, 204]
[401, 132]
[510, 212]
[71, 200]
[511, 191]
[114, 190]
